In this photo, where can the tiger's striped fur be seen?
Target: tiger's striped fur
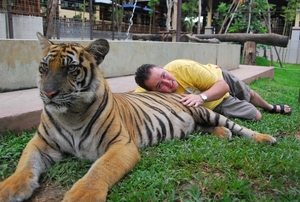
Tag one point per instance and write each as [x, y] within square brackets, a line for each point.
[82, 117]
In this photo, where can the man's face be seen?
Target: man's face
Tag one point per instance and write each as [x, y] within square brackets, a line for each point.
[161, 80]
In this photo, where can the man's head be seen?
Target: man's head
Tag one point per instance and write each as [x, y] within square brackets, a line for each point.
[155, 78]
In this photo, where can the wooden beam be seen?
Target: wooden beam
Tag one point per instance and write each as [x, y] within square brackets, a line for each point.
[267, 39]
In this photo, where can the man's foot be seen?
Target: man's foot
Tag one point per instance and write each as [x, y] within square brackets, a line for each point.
[281, 108]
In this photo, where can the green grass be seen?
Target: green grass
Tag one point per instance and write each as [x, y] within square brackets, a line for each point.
[203, 167]
[261, 61]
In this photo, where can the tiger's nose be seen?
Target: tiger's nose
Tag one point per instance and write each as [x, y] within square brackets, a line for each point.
[50, 94]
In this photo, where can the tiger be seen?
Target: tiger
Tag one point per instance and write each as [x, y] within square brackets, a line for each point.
[82, 117]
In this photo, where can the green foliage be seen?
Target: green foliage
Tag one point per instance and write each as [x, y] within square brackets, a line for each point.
[152, 4]
[190, 9]
[11, 148]
[240, 23]
[77, 17]
[189, 24]
[222, 9]
[189, 14]
[117, 15]
[82, 7]
[290, 11]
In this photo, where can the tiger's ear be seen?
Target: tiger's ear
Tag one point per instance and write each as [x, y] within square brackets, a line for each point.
[98, 49]
[44, 43]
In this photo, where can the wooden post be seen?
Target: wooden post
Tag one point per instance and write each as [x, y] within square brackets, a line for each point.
[250, 53]
[91, 18]
[10, 23]
[174, 19]
[113, 20]
[178, 26]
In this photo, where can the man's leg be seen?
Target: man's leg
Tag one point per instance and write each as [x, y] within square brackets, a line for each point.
[232, 107]
[243, 92]
[258, 101]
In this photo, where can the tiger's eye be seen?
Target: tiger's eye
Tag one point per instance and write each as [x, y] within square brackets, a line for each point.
[72, 68]
[43, 68]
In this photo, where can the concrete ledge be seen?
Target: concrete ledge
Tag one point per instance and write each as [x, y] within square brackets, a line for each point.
[21, 110]
[248, 73]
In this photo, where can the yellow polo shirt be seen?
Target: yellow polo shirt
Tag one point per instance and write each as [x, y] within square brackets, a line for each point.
[193, 78]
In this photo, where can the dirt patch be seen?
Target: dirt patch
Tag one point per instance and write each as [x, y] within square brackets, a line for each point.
[297, 135]
[48, 192]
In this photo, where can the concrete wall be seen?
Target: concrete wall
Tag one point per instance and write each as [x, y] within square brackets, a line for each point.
[19, 59]
[294, 46]
[2, 26]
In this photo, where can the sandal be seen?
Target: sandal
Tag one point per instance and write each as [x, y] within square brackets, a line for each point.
[274, 110]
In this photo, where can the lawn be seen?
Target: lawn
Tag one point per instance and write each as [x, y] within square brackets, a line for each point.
[202, 167]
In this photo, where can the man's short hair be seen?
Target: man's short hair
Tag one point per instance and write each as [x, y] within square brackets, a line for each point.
[142, 74]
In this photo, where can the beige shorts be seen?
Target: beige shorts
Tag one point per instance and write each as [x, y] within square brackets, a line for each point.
[237, 104]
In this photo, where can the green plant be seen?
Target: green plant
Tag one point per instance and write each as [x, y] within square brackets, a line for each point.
[77, 17]
[189, 24]
[222, 10]
[152, 4]
[240, 17]
[289, 14]
[11, 148]
[190, 9]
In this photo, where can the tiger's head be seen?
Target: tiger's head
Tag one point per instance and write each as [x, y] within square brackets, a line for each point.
[69, 74]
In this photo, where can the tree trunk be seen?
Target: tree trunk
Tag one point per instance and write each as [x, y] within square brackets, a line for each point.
[51, 7]
[169, 10]
[250, 53]
[236, 7]
[150, 37]
[249, 16]
[268, 20]
[199, 16]
[189, 38]
[226, 17]
[267, 39]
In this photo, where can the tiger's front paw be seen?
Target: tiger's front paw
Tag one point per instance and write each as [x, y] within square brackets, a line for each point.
[264, 138]
[17, 187]
[85, 192]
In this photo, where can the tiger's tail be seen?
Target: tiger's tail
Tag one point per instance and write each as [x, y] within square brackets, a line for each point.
[248, 133]
[223, 127]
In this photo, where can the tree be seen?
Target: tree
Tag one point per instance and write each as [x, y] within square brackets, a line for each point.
[250, 16]
[245, 16]
[118, 15]
[169, 4]
[51, 8]
[82, 10]
[199, 16]
[289, 14]
[152, 4]
[190, 13]
[189, 24]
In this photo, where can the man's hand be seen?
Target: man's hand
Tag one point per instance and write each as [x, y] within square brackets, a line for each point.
[191, 100]
[215, 92]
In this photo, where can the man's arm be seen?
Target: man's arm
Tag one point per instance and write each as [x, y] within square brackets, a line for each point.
[215, 92]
